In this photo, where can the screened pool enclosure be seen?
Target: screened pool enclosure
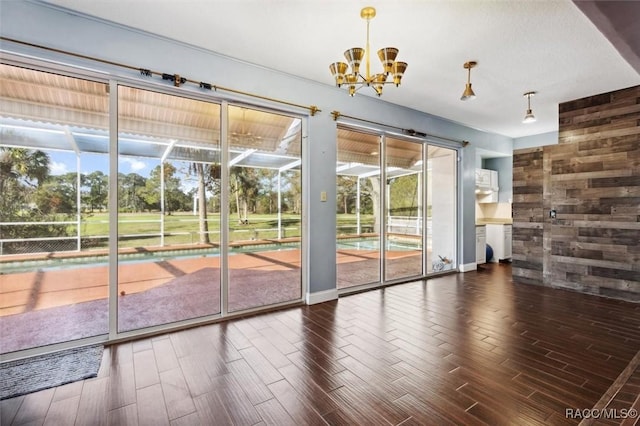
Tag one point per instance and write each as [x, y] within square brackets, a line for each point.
[129, 209]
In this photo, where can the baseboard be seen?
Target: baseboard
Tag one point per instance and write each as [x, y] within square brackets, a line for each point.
[468, 267]
[321, 296]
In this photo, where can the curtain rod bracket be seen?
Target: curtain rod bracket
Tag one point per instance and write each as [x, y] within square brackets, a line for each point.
[412, 132]
[336, 115]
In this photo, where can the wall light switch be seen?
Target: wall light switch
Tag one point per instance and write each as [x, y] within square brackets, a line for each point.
[323, 196]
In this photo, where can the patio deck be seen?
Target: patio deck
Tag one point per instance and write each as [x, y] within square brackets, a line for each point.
[53, 305]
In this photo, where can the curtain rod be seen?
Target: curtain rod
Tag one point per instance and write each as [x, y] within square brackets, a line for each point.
[176, 78]
[408, 132]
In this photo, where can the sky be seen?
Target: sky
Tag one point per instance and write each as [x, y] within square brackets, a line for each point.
[62, 162]
[65, 162]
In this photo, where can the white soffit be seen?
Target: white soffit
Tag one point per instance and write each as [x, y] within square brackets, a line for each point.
[547, 46]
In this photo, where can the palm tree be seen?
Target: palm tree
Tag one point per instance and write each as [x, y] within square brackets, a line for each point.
[22, 171]
[23, 165]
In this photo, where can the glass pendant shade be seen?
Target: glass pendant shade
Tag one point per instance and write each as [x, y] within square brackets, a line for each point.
[338, 71]
[529, 118]
[387, 56]
[378, 83]
[354, 57]
[351, 81]
[468, 94]
[398, 70]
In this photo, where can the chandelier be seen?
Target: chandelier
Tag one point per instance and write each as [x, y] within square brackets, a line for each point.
[354, 80]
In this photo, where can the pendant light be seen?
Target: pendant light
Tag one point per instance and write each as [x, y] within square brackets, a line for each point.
[529, 117]
[357, 56]
[468, 92]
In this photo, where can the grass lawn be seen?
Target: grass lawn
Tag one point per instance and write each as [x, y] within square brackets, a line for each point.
[144, 229]
[183, 228]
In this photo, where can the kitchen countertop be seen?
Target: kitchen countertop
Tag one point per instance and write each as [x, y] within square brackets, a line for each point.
[493, 220]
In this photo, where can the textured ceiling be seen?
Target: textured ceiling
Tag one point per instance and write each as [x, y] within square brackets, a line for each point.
[547, 46]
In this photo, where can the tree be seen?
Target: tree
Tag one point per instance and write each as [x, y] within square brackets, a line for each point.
[130, 192]
[403, 195]
[25, 166]
[98, 190]
[293, 183]
[375, 201]
[268, 192]
[244, 185]
[208, 176]
[174, 198]
[346, 188]
[58, 194]
[21, 172]
[22, 175]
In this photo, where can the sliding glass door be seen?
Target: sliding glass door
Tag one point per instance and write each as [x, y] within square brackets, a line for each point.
[359, 222]
[396, 208]
[106, 232]
[442, 191]
[265, 206]
[403, 208]
[168, 208]
[54, 236]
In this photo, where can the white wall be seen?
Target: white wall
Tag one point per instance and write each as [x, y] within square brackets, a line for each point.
[46, 25]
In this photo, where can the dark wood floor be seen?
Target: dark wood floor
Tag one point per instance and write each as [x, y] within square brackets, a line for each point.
[466, 349]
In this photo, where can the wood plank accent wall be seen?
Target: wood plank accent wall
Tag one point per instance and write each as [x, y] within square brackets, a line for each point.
[528, 215]
[592, 180]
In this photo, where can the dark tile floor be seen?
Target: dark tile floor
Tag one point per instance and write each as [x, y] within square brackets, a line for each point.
[467, 349]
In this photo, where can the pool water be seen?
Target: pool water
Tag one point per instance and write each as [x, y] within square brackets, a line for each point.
[129, 258]
[102, 260]
[374, 244]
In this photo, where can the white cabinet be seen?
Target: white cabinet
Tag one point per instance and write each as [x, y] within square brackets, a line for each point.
[487, 179]
[483, 178]
[493, 180]
[486, 186]
[499, 238]
[481, 249]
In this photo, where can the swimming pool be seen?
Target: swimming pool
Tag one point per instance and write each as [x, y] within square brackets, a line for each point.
[87, 261]
[374, 244]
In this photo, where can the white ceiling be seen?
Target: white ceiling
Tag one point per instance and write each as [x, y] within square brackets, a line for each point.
[547, 46]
